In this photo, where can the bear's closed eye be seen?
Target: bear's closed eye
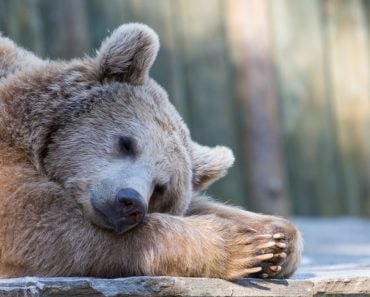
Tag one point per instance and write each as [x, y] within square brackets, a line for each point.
[160, 189]
[127, 146]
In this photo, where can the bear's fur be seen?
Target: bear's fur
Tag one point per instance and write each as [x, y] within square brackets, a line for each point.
[60, 127]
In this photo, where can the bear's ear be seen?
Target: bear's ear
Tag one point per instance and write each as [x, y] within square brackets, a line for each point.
[209, 164]
[128, 54]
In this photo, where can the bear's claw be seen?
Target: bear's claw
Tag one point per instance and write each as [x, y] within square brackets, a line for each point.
[279, 236]
[281, 245]
[275, 268]
[280, 255]
[265, 257]
[244, 272]
[273, 255]
[258, 255]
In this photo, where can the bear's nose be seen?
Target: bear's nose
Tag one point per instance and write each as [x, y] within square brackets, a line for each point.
[125, 211]
[132, 206]
[132, 209]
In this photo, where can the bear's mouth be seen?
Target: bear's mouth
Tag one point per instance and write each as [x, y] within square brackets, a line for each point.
[120, 226]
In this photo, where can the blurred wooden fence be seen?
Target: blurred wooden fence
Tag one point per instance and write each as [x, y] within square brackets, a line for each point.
[285, 83]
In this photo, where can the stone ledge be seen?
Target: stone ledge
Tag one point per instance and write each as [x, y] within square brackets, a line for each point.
[342, 281]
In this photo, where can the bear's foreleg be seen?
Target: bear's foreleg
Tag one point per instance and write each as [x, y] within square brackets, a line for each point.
[44, 233]
[285, 242]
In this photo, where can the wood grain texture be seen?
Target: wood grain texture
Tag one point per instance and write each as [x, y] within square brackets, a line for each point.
[348, 64]
[209, 89]
[251, 36]
[309, 129]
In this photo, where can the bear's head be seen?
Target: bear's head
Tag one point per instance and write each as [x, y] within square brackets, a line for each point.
[126, 151]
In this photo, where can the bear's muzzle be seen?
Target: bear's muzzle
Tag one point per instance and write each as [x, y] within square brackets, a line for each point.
[124, 213]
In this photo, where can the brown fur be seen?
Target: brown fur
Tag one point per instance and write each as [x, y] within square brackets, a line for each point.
[59, 121]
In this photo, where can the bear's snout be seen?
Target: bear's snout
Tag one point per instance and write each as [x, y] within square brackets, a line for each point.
[126, 211]
[133, 206]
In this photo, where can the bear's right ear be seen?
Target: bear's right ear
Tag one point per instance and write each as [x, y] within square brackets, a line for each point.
[128, 54]
[209, 164]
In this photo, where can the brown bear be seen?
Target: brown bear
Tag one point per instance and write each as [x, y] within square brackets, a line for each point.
[99, 175]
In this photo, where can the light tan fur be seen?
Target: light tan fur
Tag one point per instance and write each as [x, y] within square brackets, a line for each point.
[59, 123]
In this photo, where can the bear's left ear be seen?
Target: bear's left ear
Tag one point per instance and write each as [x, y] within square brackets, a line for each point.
[128, 54]
[209, 164]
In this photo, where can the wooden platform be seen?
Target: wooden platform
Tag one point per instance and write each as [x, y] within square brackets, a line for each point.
[336, 262]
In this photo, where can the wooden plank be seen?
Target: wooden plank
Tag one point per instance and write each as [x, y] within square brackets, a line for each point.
[251, 39]
[103, 18]
[178, 63]
[347, 41]
[23, 24]
[4, 16]
[366, 205]
[64, 28]
[309, 130]
[75, 27]
[209, 90]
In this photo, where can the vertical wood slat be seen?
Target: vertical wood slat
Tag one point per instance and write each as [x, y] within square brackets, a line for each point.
[101, 19]
[366, 7]
[76, 32]
[348, 54]
[309, 131]
[4, 17]
[24, 23]
[64, 28]
[250, 34]
[209, 89]
[176, 45]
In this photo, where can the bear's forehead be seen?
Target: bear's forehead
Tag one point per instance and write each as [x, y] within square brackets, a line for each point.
[142, 103]
[145, 105]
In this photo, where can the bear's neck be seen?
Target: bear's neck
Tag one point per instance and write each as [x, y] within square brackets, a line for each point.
[34, 104]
